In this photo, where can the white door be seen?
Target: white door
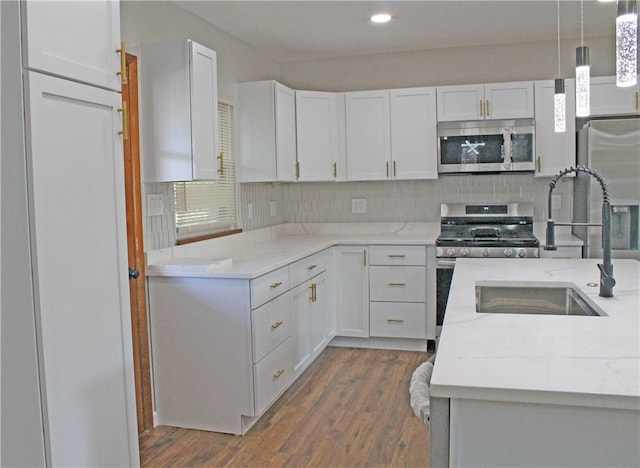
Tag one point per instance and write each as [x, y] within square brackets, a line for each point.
[554, 151]
[509, 100]
[300, 339]
[204, 112]
[368, 135]
[352, 291]
[317, 135]
[414, 144]
[80, 274]
[75, 40]
[464, 102]
[285, 133]
[318, 314]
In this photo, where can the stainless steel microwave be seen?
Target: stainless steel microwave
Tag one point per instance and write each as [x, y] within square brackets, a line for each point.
[486, 146]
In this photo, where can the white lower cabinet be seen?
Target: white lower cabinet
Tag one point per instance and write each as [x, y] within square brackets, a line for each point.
[352, 291]
[224, 350]
[398, 320]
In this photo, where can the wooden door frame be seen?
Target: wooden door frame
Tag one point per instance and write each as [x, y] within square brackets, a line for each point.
[135, 244]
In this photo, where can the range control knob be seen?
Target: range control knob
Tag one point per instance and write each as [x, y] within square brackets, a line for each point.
[451, 252]
[508, 252]
[464, 252]
[486, 253]
[522, 253]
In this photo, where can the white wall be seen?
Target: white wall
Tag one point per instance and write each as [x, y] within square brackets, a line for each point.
[486, 64]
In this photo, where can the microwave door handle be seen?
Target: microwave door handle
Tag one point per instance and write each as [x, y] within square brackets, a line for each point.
[506, 136]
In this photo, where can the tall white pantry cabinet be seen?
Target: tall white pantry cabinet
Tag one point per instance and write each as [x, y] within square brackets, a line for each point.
[67, 362]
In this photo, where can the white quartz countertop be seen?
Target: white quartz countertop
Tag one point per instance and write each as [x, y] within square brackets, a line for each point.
[566, 360]
[255, 253]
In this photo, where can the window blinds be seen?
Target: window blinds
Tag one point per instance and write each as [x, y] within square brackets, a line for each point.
[208, 206]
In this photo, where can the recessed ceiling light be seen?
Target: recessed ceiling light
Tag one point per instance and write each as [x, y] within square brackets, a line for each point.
[381, 18]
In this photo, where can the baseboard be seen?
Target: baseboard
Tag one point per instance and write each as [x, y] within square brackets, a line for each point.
[401, 344]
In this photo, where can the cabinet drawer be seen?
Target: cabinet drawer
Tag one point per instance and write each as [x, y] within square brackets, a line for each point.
[308, 267]
[397, 284]
[270, 326]
[398, 255]
[398, 320]
[269, 286]
[272, 376]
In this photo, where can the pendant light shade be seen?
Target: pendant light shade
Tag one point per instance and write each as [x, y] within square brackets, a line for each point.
[627, 43]
[559, 116]
[583, 81]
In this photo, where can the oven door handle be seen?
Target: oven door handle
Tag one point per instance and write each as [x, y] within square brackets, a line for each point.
[445, 264]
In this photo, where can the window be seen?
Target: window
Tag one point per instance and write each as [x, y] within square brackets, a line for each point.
[209, 206]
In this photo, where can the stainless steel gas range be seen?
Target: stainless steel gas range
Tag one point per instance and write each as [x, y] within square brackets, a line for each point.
[497, 230]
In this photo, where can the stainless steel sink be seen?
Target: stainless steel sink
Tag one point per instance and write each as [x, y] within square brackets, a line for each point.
[531, 297]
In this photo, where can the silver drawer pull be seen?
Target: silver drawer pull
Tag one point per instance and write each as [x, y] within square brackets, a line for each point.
[276, 324]
[311, 267]
[278, 373]
[397, 284]
[395, 320]
[276, 284]
[397, 255]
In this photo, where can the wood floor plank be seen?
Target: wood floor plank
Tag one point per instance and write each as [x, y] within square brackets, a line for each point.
[349, 408]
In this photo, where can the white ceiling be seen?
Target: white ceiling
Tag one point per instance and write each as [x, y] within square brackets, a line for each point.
[299, 30]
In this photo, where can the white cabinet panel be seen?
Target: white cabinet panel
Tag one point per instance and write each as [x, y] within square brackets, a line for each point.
[272, 376]
[368, 135]
[83, 308]
[308, 267]
[317, 135]
[398, 284]
[512, 100]
[301, 340]
[414, 144]
[398, 320]
[352, 291]
[270, 326]
[179, 112]
[398, 255]
[554, 151]
[267, 132]
[607, 99]
[318, 314]
[268, 286]
[76, 40]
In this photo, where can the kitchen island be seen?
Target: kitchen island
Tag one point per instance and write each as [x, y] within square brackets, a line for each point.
[541, 390]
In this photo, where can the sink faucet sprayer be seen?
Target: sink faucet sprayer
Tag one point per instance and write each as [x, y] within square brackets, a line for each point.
[607, 282]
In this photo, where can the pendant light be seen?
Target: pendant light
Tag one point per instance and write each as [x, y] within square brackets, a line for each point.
[627, 43]
[583, 79]
[559, 115]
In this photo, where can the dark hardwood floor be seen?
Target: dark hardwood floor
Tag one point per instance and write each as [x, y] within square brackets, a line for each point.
[350, 408]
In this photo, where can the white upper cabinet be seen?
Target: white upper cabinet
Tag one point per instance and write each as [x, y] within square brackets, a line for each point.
[179, 112]
[317, 135]
[414, 144]
[608, 99]
[554, 151]
[368, 135]
[76, 40]
[484, 102]
[267, 132]
[391, 134]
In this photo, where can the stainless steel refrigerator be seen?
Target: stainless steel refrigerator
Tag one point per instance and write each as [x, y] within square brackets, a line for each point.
[611, 147]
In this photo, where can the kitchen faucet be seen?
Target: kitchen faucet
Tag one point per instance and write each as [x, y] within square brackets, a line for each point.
[607, 282]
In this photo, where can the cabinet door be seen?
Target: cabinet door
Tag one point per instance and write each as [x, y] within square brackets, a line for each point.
[464, 102]
[368, 135]
[352, 291]
[554, 151]
[413, 133]
[80, 245]
[285, 133]
[317, 135]
[300, 336]
[204, 112]
[607, 99]
[318, 314]
[509, 100]
[76, 40]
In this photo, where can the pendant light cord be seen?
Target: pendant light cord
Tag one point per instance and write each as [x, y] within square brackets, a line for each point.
[581, 24]
[558, 38]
